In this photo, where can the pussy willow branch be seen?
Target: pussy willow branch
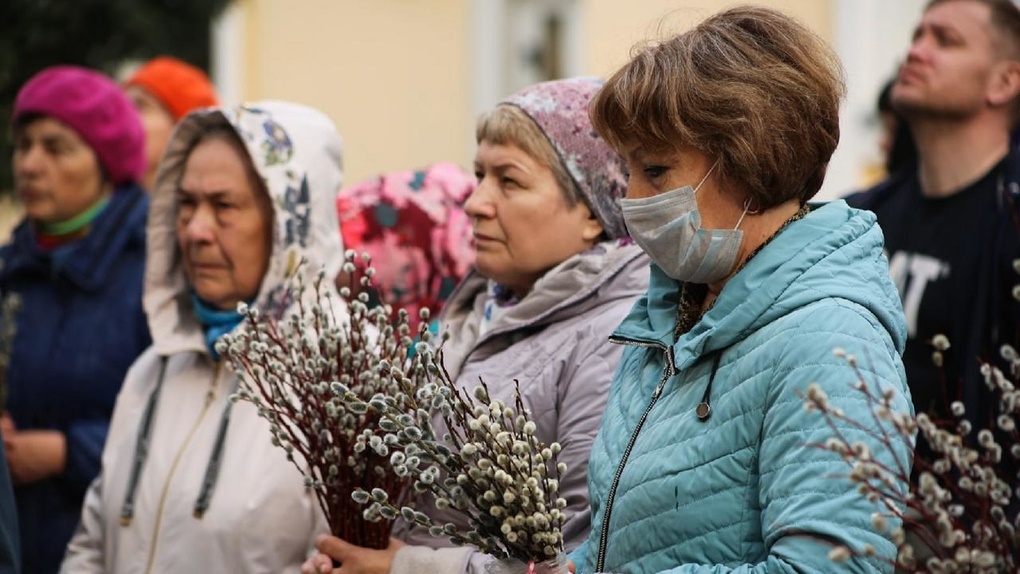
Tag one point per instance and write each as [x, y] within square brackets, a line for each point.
[527, 524]
[289, 384]
[955, 508]
[888, 498]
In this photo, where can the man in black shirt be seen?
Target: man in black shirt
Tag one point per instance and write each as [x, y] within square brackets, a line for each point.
[948, 220]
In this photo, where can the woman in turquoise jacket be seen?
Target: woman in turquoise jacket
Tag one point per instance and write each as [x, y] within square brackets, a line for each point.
[704, 462]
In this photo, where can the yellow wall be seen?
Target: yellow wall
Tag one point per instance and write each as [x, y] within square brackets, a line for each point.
[391, 74]
[613, 27]
[397, 76]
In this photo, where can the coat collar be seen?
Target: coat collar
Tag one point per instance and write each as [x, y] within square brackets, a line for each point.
[89, 260]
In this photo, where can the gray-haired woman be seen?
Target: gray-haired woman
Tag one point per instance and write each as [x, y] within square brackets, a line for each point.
[191, 481]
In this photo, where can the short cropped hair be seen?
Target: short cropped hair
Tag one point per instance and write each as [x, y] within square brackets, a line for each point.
[749, 86]
[509, 125]
[1005, 19]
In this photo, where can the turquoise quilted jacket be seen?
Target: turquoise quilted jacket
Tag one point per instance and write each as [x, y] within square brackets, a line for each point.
[742, 490]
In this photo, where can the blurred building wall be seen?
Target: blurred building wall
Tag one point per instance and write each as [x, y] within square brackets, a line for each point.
[10, 215]
[391, 73]
[405, 79]
[613, 27]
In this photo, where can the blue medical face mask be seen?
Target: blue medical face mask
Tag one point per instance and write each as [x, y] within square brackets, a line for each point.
[668, 227]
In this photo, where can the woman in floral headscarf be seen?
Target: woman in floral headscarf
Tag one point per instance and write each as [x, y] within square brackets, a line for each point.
[413, 225]
[555, 273]
[191, 481]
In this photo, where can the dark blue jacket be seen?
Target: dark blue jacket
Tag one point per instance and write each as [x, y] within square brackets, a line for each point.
[10, 549]
[79, 328]
[995, 313]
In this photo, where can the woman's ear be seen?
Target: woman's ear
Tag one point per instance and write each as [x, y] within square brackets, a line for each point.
[592, 230]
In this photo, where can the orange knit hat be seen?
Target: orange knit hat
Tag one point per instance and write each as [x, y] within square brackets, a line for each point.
[180, 86]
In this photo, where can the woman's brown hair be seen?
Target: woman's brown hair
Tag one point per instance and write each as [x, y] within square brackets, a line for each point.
[749, 86]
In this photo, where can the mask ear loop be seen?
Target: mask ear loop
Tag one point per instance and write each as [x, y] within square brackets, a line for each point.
[704, 179]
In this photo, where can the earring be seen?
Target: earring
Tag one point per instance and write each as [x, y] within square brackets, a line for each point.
[747, 207]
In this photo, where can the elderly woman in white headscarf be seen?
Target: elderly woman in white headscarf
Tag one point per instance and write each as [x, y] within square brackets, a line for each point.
[191, 481]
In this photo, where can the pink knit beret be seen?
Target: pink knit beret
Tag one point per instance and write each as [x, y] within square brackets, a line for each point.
[95, 107]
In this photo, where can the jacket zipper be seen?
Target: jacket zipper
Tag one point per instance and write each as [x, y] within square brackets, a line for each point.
[209, 397]
[666, 374]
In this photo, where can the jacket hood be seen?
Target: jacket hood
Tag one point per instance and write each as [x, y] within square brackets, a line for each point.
[297, 152]
[833, 252]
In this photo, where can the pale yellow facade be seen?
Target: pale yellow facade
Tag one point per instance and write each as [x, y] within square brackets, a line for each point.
[404, 80]
[391, 73]
[11, 213]
[614, 26]
[401, 78]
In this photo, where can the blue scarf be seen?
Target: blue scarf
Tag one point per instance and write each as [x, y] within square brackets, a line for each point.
[215, 322]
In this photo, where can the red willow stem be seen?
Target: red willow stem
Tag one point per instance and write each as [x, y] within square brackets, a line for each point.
[294, 404]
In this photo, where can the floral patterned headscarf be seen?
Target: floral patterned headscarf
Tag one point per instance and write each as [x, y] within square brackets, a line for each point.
[413, 225]
[560, 109]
